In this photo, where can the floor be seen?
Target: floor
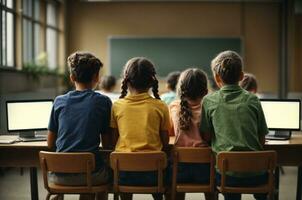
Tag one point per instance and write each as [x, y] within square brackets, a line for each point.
[14, 186]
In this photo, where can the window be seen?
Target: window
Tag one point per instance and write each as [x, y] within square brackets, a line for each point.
[32, 27]
[7, 33]
[52, 33]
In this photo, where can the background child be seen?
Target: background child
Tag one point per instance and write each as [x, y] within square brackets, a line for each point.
[185, 115]
[172, 79]
[234, 119]
[140, 121]
[107, 85]
[79, 117]
[249, 83]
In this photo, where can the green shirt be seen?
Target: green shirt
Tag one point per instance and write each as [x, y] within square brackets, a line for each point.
[235, 119]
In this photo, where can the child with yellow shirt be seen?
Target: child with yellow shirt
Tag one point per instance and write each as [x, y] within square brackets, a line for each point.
[139, 121]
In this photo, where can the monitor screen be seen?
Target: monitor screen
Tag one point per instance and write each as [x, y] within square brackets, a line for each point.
[282, 114]
[28, 115]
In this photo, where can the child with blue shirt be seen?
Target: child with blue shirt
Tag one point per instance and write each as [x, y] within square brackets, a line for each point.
[233, 118]
[79, 118]
[170, 96]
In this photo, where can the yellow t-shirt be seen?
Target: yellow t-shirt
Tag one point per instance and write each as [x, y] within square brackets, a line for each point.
[139, 119]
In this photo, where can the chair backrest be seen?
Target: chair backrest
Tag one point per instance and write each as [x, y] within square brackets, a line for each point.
[138, 161]
[247, 161]
[193, 155]
[66, 163]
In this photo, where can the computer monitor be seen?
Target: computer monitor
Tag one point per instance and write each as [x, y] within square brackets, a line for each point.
[282, 116]
[28, 116]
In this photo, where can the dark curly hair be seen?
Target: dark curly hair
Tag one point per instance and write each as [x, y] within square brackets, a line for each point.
[228, 65]
[172, 79]
[108, 83]
[140, 73]
[83, 66]
[249, 82]
[192, 84]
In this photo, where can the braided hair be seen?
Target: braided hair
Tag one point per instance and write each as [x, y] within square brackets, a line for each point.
[192, 84]
[228, 65]
[83, 66]
[140, 73]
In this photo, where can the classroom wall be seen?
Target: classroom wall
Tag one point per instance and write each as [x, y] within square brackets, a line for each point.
[90, 24]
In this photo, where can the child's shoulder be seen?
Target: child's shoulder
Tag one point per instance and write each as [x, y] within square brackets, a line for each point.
[101, 98]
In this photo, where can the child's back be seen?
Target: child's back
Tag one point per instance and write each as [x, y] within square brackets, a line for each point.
[185, 113]
[237, 120]
[139, 119]
[234, 119]
[80, 117]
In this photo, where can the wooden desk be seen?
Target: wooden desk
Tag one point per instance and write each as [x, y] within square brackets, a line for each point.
[25, 154]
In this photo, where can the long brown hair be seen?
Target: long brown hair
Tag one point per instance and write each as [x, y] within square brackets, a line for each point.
[192, 84]
[140, 73]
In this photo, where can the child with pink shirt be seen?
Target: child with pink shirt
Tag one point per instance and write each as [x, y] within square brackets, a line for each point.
[185, 112]
[185, 120]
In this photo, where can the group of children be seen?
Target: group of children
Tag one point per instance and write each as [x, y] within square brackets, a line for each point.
[230, 119]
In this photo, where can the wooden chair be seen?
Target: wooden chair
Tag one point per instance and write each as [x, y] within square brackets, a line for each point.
[138, 161]
[69, 163]
[192, 155]
[247, 161]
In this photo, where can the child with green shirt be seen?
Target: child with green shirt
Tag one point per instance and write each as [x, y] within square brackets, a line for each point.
[233, 119]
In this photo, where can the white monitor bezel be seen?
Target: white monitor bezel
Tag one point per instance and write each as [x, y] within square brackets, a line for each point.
[24, 101]
[286, 100]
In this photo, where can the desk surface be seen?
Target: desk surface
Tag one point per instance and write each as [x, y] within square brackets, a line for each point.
[26, 153]
[296, 139]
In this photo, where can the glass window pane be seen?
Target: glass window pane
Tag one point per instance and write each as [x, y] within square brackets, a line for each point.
[37, 43]
[10, 39]
[51, 48]
[10, 3]
[27, 7]
[51, 18]
[27, 42]
[3, 38]
[37, 9]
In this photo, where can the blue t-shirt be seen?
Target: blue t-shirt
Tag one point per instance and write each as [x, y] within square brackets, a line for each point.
[78, 118]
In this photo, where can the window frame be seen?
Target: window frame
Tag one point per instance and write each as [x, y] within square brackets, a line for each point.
[3, 7]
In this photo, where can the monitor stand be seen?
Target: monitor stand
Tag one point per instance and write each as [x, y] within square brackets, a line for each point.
[278, 135]
[30, 136]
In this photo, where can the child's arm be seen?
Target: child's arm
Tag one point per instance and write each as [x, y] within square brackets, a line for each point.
[51, 140]
[164, 137]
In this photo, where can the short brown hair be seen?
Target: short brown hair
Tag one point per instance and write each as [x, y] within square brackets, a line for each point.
[249, 82]
[228, 65]
[172, 79]
[83, 66]
[108, 82]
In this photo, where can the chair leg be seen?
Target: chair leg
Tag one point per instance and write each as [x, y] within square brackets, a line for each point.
[115, 196]
[48, 196]
[102, 196]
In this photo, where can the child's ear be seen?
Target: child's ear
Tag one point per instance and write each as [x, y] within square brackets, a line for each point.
[72, 78]
[96, 78]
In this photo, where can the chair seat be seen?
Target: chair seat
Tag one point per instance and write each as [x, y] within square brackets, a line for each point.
[193, 187]
[140, 189]
[54, 188]
[246, 190]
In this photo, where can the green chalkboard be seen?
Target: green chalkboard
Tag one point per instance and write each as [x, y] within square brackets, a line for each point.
[169, 54]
